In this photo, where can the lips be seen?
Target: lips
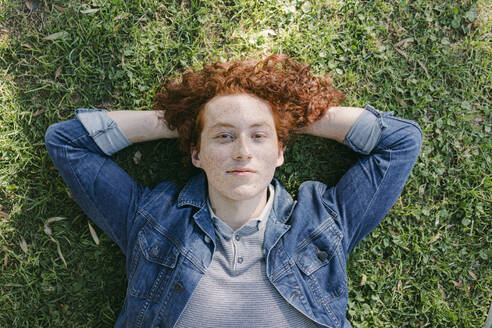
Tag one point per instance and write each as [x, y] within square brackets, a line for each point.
[239, 171]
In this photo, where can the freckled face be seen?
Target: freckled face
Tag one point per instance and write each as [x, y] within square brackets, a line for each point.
[239, 149]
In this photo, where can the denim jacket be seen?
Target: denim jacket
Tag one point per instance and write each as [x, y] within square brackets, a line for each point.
[168, 237]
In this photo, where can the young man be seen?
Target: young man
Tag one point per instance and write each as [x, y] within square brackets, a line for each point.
[232, 248]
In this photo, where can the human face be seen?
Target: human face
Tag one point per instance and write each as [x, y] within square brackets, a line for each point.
[239, 149]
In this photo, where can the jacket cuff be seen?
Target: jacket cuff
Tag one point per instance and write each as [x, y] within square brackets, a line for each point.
[365, 133]
[103, 130]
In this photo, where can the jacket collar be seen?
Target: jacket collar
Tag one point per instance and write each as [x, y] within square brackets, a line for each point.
[195, 193]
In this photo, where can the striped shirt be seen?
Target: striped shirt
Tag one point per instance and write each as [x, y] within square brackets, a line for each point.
[235, 291]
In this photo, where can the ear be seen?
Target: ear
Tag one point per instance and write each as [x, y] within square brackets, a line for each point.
[280, 157]
[195, 157]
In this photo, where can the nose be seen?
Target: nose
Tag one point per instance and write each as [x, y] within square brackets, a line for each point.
[242, 149]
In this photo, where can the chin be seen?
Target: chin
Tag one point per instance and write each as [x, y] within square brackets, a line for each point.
[243, 193]
[240, 189]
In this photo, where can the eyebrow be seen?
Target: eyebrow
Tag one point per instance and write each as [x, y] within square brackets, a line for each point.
[228, 125]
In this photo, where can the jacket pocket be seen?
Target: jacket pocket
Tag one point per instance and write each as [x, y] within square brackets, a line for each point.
[322, 263]
[154, 260]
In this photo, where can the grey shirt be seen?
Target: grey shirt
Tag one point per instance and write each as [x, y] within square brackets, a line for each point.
[235, 291]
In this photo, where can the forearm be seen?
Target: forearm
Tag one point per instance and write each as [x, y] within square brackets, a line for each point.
[366, 192]
[140, 126]
[335, 124]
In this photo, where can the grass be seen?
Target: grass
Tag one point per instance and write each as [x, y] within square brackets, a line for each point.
[427, 265]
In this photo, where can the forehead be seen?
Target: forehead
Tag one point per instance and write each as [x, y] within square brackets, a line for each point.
[237, 109]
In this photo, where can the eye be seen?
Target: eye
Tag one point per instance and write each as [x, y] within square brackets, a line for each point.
[223, 137]
[259, 136]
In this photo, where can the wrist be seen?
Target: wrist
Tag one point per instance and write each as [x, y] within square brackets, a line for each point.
[335, 124]
[161, 123]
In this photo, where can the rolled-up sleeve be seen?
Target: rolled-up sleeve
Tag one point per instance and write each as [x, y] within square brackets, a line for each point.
[103, 130]
[80, 149]
[365, 133]
[389, 147]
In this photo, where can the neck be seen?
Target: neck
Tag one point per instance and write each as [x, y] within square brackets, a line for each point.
[236, 213]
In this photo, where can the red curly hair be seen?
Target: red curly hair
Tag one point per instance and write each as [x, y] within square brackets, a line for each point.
[296, 97]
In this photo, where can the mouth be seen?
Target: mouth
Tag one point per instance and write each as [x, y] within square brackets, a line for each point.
[241, 171]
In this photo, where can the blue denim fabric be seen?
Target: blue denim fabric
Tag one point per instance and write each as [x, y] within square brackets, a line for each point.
[103, 130]
[168, 237]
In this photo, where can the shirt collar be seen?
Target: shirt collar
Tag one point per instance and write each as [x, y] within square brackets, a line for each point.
[257, 223]
[195, 193]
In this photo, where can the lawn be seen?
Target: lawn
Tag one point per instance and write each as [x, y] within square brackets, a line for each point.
[427, 265]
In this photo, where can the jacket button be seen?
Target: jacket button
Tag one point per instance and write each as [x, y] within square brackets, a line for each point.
[154, 251]
[178, 287]
[322, 255]
[206, 239]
